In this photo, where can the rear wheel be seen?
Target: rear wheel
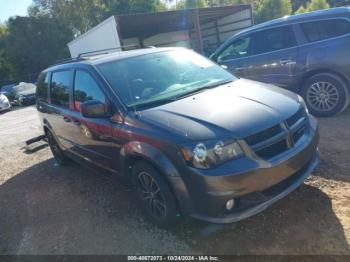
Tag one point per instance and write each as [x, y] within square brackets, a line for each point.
[325, 94]
[57, 152]
[154, 195]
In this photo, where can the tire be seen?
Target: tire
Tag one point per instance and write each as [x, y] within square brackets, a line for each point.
[325, 94]
[57, 152]
[154, 195]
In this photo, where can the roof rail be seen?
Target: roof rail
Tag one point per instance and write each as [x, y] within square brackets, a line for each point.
[104, 51]
[99, 52]
[66, 61]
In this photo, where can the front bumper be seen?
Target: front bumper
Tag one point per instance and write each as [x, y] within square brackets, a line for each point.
[257, 202]
[5, 106]
[252, 184]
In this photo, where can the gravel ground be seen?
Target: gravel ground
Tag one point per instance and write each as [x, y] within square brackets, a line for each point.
[46, 209]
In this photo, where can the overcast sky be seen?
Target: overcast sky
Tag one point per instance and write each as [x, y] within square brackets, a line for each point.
[13, 7]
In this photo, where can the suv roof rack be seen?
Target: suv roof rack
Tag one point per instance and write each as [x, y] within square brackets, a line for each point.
[86, 55]
[99, 52]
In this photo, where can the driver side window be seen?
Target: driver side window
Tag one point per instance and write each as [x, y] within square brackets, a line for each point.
[238, 49]
[86, 89]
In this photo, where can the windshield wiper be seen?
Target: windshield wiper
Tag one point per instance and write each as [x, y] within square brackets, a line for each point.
[151, 104]
[201, 89]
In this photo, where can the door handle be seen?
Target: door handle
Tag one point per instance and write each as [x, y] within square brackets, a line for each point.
[76, 122]
[287, 62]
[239, 68]
[66, 119]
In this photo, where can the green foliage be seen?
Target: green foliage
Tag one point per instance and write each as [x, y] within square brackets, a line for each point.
[119, 7]
[5, 66]
[313, 6]
[301, 10]
[33, 43]
[188, 4]
[337, 3]
[317, 5]
[271, 9]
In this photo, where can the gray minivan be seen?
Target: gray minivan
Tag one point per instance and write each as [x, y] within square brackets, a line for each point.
[307, 53]
[191, 138]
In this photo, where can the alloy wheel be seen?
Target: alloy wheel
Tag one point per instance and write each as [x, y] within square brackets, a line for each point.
[151, 195]
[322, 96]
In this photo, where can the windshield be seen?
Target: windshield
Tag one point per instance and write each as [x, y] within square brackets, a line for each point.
[162, 77]
[7, 88]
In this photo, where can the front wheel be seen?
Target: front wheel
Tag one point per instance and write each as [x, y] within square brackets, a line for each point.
[57, 152]
[325, 94]
[154, 195]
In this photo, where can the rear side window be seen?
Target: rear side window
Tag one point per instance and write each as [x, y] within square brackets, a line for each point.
[60, 83]
[86, 89]
[43, 84]
[320, 30]
[273, 39]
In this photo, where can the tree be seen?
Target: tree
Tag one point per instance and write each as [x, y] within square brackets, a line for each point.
[187, 4]
[313, 6]
[263, 10]
[34, 43]
[271, 9]
[81, 15]
[5, 67]
[121, 7]
[296, 4]
[337, 3]
[317, 5]
[78, 15]
[301, 10]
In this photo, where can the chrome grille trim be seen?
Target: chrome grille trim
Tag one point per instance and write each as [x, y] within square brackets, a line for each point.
[290, 131]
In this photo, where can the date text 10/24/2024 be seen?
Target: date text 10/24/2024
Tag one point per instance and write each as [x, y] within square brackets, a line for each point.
[173, 258]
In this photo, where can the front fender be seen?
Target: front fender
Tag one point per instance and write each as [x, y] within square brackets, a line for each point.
[159, 160]
[149, 153]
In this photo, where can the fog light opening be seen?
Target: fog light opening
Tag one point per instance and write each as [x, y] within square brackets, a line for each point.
[230, 204]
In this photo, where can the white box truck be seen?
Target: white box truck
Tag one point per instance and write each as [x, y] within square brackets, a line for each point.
[104, 36]
[202, 29]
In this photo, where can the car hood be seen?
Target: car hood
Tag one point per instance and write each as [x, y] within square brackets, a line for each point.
[25, 93]
[236, 110]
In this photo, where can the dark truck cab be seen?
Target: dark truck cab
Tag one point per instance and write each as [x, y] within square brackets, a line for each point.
[192, 139]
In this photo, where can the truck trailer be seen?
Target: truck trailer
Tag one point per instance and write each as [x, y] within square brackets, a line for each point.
[202, 29]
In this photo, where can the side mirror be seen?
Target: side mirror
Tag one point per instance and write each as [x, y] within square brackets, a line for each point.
[93, 109]
[213, 57]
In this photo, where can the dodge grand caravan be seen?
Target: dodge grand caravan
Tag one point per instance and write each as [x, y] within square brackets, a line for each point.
[191, 138]
[307, 53]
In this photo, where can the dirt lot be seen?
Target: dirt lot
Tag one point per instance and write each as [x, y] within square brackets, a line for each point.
[46, 209]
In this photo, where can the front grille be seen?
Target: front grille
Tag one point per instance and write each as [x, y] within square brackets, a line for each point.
[295, 118]
[263, 135]
[273, 150]
[299, 133]
[279, 138]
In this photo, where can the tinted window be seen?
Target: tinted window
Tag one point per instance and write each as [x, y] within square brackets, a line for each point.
[43, 83]
[273, 39]
[319, 30]
[85, 89]
[60, 83]
[238, 49]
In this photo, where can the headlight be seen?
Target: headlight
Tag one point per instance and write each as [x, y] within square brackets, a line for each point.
[302, 102]
[211, 153]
